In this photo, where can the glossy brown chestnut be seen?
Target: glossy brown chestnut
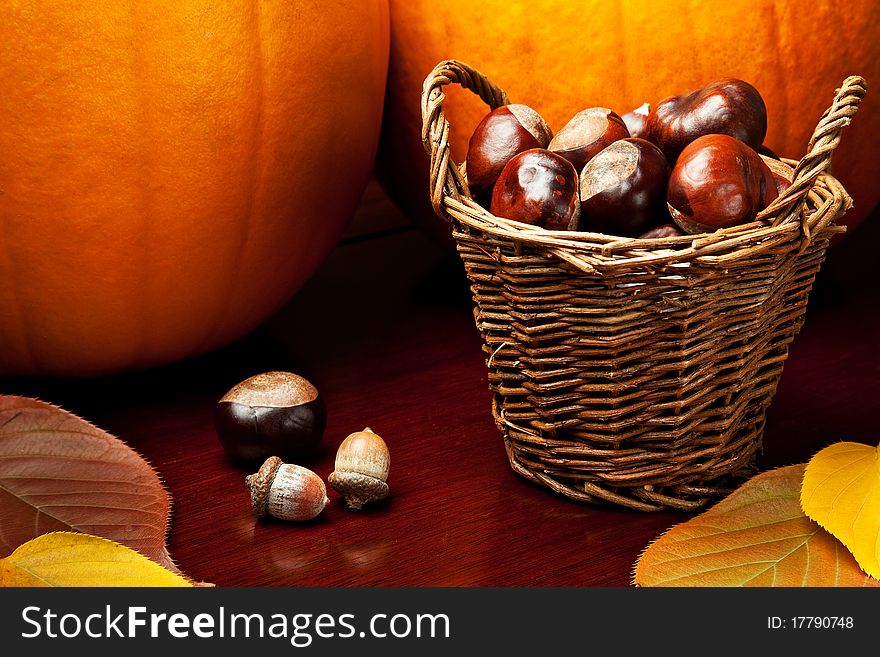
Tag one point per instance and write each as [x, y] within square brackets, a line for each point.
[500, 135]
[270, 414]
[587, 133]
[718, 182]
[664, 230]
[782, 173]
[728, 106]
[637, 121]
[769, 152]
[623, 189]
[540, 188]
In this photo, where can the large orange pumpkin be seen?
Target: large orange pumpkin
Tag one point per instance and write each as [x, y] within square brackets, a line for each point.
[171, 172]
[561, 56]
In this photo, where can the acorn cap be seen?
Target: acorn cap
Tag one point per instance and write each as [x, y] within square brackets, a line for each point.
[357, 488]
[260, 482]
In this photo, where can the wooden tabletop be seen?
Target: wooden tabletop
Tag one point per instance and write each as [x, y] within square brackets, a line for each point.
[385, 331]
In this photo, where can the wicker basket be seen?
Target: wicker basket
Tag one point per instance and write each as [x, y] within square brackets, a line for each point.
[637, 372]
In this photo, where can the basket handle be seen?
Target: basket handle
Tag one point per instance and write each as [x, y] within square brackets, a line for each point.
[445, 178]
[788, 205]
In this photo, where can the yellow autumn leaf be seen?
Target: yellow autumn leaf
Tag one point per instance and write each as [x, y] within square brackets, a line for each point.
[756, 536]
[841, 492]
[73, 559]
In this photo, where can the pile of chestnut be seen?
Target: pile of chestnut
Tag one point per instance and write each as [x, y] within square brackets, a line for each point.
[690, 165]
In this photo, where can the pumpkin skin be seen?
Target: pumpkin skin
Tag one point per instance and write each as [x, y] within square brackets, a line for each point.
[560, 57]
[172, 172]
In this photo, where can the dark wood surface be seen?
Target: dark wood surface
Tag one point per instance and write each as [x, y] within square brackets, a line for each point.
[385, 331]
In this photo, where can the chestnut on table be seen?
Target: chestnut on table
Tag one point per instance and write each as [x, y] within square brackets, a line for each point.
[270, 414]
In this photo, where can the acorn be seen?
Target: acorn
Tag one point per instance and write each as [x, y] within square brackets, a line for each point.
[361, 469]
[286, 491]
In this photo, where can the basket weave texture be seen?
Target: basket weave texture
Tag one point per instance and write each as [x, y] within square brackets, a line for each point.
[637, 372]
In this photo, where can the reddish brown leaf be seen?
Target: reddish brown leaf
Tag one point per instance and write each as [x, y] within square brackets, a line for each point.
[58, 472]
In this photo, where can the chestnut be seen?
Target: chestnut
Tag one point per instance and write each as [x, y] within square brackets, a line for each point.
[270, 414]
[728, 106]
[637, 121]
[782, 173]
[718, 182]
[769, 152]
[540, 188]
[587, 133]
[623, 189]
[500, 135]
[664, 230]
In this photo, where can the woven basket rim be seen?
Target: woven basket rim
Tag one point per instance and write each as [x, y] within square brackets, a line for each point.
[810, 205]
[594, 251]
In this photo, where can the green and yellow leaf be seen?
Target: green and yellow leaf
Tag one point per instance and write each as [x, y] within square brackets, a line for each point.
[67, 559]
[756, 536]
[841, 492]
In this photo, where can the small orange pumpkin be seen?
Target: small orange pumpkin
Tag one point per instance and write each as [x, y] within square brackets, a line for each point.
[560, 57]
[171, 172]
